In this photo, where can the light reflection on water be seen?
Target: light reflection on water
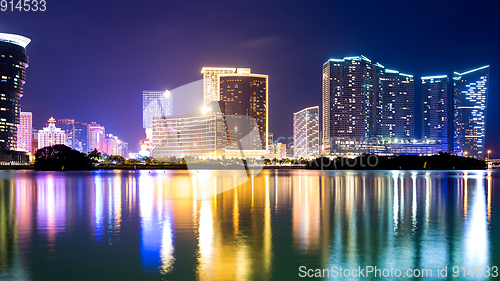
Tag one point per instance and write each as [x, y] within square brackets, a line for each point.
[143, 225]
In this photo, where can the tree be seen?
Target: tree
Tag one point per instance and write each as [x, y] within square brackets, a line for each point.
[116, 159]
[60, 157]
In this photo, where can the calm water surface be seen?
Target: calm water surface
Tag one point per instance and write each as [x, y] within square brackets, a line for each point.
[166, 225]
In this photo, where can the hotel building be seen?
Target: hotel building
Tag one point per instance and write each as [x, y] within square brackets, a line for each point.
[394, 104]
[13, 64]
[470, 90]
[197, 135]
[155, 104]
[243, 103]
[211, 82]
[362, 100]
[24, 132]
[347, 100]
[435, 108]
[51, 135]
[306, 132]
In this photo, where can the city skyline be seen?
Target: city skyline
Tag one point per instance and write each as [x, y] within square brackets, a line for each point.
[291, 57]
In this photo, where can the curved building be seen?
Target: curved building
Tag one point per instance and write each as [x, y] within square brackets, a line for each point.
[13, 64]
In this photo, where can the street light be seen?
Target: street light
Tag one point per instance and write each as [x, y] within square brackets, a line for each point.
[489, 151]
[465, 153]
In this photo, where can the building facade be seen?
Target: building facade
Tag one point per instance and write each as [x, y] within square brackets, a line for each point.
[306, 132]
[470, 90]
[211, 82]
[96, 137]
[24, 132]
[111, 144]
[13, 64]
[68, 125]
[155, 104]
[394, 104]
[81, 138]
[51, 135]
[244, 105]
[347, 99]
[435, 108]
[200, 135]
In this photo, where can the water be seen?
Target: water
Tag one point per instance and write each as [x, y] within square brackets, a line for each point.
[148, 225]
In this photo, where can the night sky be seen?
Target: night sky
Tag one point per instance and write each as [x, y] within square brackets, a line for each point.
[90, 60]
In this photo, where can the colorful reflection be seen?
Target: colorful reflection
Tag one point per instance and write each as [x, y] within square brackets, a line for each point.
[180, 225]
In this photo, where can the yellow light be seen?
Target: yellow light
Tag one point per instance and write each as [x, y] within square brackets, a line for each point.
[205, 110]
[167, 93]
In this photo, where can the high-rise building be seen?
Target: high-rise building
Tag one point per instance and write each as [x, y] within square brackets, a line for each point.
[24, 132]
[394, 104]
[470, 90]
[51, 135]
[111, 145]
[96, 137]
[362, 100]
[123, 148]
[68, 125]
[347, 99]
[155, 104]
[306, 132]
[244, 105]
[81, 138]
[211, 82]
[13, 64]
[34, 141]
[435, 108]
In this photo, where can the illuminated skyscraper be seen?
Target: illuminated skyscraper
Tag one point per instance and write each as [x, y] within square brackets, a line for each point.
[435, 108]
[155, 104]
[51, 135]
[470, 90]
[81, 138]
[96, 137]
[347, 99]
[394, 104]
[244, 105]
[306, 132]
[13, 64]
[211, 82]
[362, 100]
[68, 125]
[24, 132]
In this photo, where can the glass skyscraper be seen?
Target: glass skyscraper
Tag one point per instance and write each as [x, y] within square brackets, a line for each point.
[13, 64]
[470, 90]
[306, 132]
[155, 104]
[435, 108]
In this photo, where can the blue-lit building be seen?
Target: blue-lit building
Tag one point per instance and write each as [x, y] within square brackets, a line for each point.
[435, 108]
[347, 100]
[155, 104]
[393, 104]
[470, 90]
[364, 100]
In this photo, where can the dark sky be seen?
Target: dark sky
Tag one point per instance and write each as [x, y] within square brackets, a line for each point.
[90, 60]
